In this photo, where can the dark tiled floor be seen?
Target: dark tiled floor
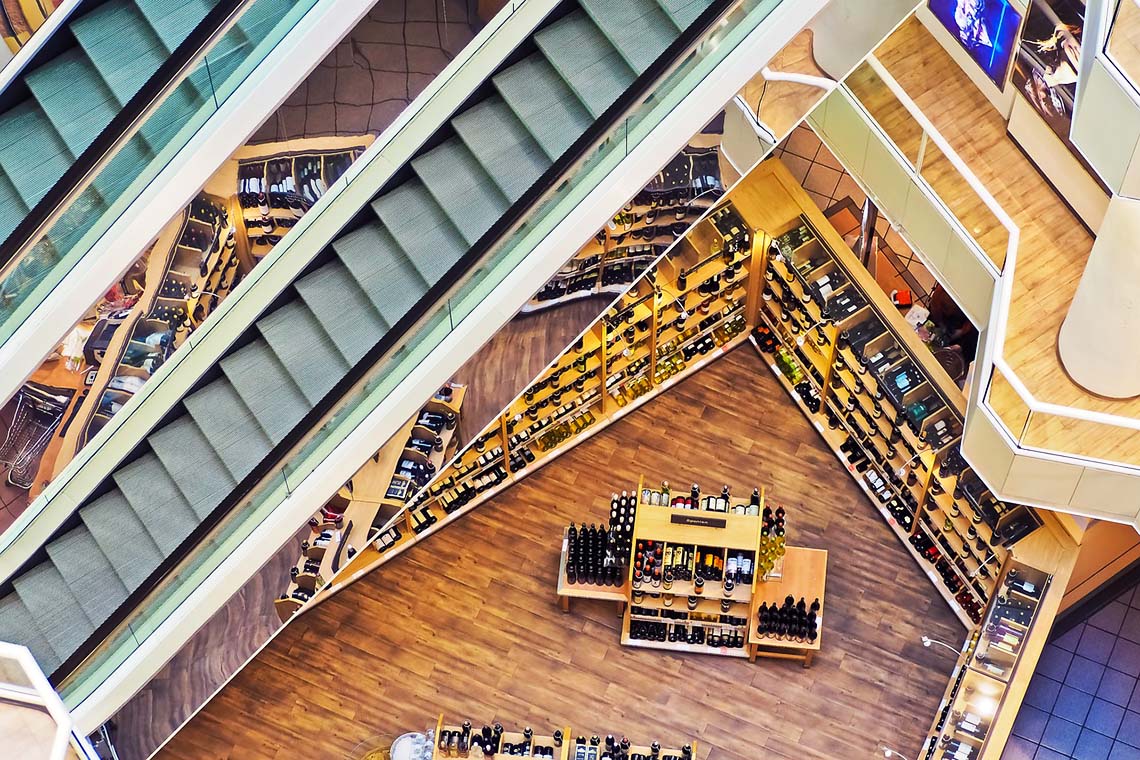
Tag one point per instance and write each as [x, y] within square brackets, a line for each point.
[1083, 702]
[391, 55]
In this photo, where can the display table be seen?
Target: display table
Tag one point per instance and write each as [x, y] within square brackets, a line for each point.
[568, 591]
[805, 575]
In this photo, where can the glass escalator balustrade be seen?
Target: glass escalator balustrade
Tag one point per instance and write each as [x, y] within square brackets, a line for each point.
[72, 98]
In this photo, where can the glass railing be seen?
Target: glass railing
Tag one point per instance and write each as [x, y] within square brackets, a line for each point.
[937, 167]
[1123, 46]
[475, 286]
[26, 281]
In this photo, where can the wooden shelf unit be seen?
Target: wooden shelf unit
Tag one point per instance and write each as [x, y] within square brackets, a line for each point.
[625, 240]
[562, 750]
[368, 499]
[854, 408]
[704, 530]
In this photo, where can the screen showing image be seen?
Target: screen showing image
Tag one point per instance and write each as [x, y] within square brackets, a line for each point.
[986, 29]
[1048, 57]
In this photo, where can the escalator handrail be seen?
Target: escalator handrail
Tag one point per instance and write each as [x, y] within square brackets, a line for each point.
[121, 128]
[273, 461]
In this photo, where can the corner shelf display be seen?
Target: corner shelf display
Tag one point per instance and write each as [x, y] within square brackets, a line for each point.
[885, 407]
[665, 208]
[987, 665]
[684, 312]
[275, 191]
[490, 741]
[378, 490]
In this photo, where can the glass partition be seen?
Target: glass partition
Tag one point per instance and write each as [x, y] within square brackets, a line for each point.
[1123, 46]
[894, 113]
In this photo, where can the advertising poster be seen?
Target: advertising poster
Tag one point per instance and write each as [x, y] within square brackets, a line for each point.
[986, 29]
[1045, 71]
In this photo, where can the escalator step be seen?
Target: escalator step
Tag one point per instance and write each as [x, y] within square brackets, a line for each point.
[18, 627]
[201, 476]
[544, 103]
[89, 573]
[421, 228]
[32, 153]
[122, 45]
[229, 426]
[304, 348]
[12, 206]
[639, 29]
[507, 151]
[122, 537]
[343, 309]
[461, 187]
[383, 271]
[586, 60]
[155, 498]
[266, 388]
[173, 20]
[684, 12]
[74, 97]
[54, 608]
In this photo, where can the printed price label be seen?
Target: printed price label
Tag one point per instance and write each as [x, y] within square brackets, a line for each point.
[724, 650]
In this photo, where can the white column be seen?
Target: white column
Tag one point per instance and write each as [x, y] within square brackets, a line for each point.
[1099, 342]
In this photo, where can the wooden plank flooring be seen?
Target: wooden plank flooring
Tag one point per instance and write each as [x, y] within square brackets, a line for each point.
[467, 622]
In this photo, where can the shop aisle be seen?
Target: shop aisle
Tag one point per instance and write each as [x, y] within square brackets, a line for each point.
[467, 622]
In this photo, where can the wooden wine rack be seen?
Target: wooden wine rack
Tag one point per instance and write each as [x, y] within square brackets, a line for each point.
[369, 498]
[563, 750]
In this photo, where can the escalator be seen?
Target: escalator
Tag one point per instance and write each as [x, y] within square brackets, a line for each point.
[53, 112]
[392, 260]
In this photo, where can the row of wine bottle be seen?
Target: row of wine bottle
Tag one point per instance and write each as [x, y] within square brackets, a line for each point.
[685, 633]
[791, 620]
[593, 556]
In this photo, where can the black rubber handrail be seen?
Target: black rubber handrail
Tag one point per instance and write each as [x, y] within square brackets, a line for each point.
[122, 127]
[273, 461]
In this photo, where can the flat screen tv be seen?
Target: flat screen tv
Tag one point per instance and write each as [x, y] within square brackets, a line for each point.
[986, 29]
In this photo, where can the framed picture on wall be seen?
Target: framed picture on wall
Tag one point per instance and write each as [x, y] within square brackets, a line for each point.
[1048, 56]
[986, 29]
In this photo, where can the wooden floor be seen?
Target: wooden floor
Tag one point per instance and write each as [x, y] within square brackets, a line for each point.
[467, 623]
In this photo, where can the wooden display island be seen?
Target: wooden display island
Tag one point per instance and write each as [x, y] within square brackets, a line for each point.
[561, 744]
[798, 572]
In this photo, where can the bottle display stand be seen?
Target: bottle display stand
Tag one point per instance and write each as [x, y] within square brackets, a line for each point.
[721, 537]
[568, 591]
[376, 492]
[804, 576]
[467, 740]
